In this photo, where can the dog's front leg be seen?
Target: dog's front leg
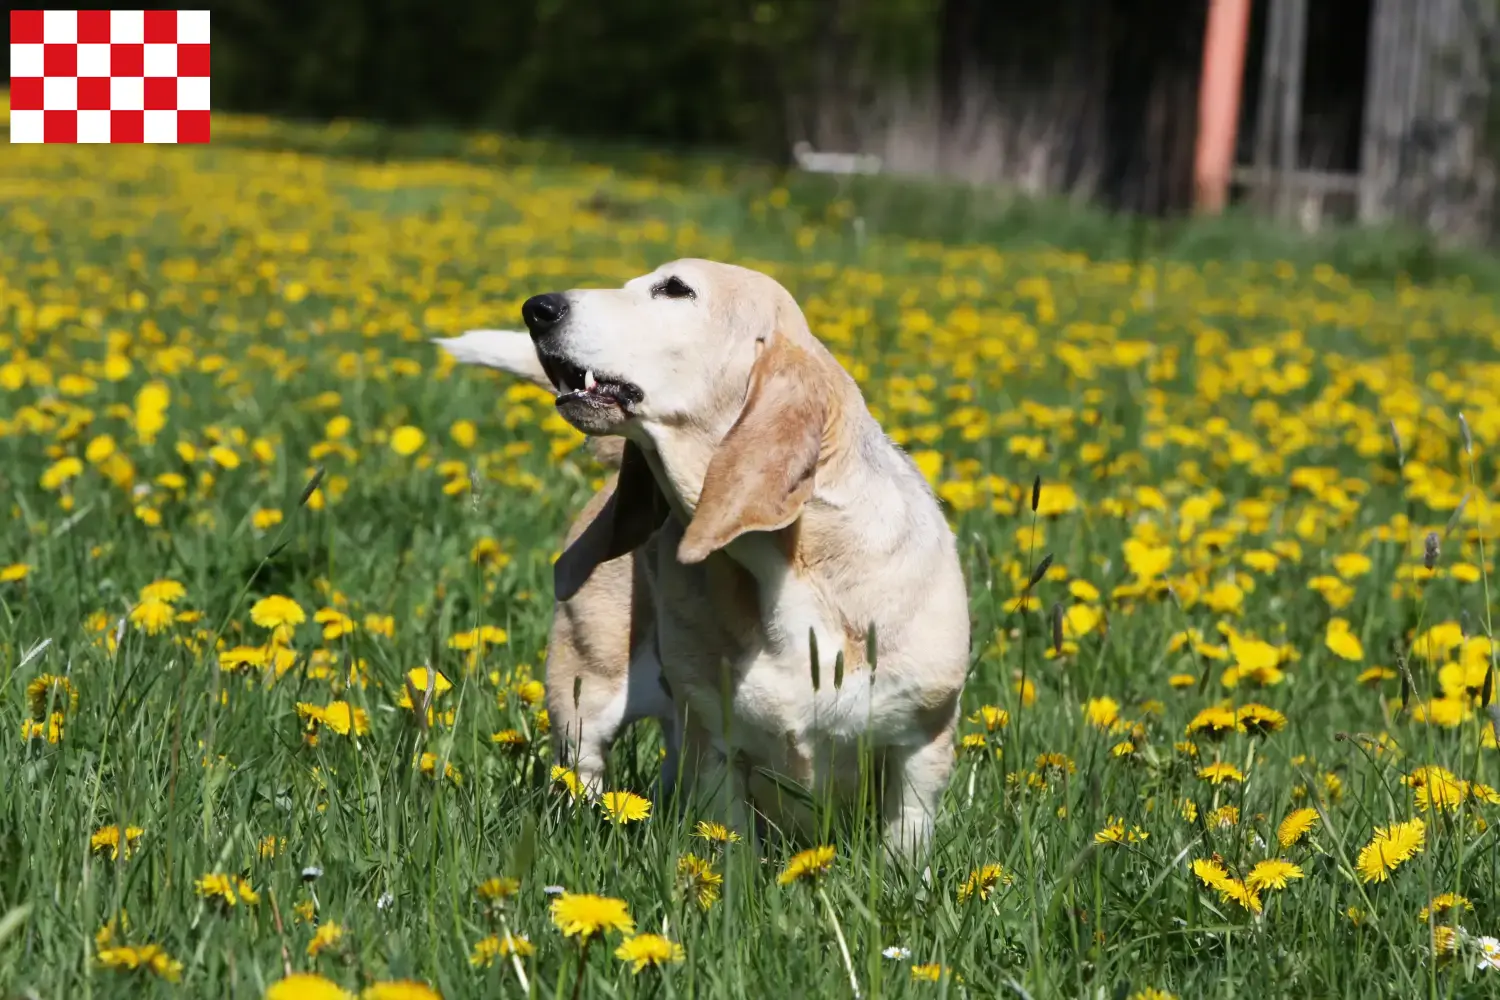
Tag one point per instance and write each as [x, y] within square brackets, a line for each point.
[915, 780]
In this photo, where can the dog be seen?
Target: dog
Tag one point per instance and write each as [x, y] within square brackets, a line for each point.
[776, 538]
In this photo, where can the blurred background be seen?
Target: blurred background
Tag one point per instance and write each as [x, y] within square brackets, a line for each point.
[1321, 111]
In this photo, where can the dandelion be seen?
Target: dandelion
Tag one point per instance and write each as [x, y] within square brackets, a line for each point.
[1101, 713]
[641, 950]
[227, 890]
[697, 878]
[1390, 848]
[14, 573]
[399, 989]
[279, 614]
[1214, 722]
[1219, 772]
[328, 935]
[407, 440]
[982, 881]
[153, 616]
[807, 865]
[50, 693]
[1442, 904]
[427, 763]
[1343, 642]
[568, 779]
[1259, 720]
[150, 958]
[931, 972]
[625, 807]
[583, 915]
[715, 833]
[306, 986]
[1273, 873]
[486, 950]
[1296, 826]
[107, 838]
[991, 717]
[498, 888]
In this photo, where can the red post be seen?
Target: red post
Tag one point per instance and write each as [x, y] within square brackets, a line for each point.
[1219, 102]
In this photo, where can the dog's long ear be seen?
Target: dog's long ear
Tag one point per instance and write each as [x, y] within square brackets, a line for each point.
[763, 470]
[633, 511]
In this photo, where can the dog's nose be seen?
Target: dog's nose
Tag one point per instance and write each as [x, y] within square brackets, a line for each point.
[542, 312]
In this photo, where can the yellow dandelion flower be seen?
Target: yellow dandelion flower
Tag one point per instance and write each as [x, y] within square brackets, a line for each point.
[407, 440]
[808, 864]
[991, 717]
[1219, 772]
[930, 972]
[306, 986]
[568, 779]
[1259, 720]
[1443, 903]
[1215, 722]
[487, 950]
[14, 573]
[327, 936]
[1296, 826]
[399, 989]
[625, 807]
[1390, 847]
[583, 915]
[47, 693]
[641, 950]
[107, 838]
[1101, 713]
[153, 616]
[1273, 873]
[697, 878]
[982, 881]
[715, 833]
[277, 612]
[150, 958]
[497, 888]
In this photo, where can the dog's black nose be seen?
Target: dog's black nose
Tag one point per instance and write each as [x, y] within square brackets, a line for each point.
[542, 312]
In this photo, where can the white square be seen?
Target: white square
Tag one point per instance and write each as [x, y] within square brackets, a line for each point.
[93, 126]
[60, 27]
[60, 93]
[26, 126]
[127, 93]
[26, 60]
[127, 27]
[93, 60]
[161, 126]
[192, 93]
[161, 59]
[192, 27]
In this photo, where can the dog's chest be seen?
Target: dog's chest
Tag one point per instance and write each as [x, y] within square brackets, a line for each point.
[732, 641]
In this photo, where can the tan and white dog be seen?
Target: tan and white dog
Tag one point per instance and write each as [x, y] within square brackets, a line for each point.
[760, 528]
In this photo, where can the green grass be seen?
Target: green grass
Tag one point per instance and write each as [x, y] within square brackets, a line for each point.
[1173, 389]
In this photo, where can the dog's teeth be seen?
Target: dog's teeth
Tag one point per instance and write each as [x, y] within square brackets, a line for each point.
[588, 380]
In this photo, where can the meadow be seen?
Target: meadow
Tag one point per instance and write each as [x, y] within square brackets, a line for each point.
[275, 585]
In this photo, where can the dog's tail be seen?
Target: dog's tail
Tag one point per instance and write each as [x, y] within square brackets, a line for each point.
[512, 351]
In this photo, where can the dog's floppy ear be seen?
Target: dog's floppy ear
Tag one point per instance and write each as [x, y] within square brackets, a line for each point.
[763, 470]
[635, 509]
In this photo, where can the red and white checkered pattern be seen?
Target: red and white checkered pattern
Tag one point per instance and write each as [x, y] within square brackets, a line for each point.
[109, 76]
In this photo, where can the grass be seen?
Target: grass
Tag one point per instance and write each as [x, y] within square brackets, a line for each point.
[1240, 461]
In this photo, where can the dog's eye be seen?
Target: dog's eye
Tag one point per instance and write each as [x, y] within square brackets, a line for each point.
[673, 288]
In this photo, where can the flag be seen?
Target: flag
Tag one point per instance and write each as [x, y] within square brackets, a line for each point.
[109, 76]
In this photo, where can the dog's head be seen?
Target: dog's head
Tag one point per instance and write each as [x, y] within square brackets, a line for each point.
[719, 351]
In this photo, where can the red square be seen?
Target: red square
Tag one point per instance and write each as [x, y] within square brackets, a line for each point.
[59, 126]
[127, 126]
[127, 60]
[60, 60]
[161, 93]
[93, 93]
[192, 59]
[192, 126]
[161, 26]
[93, 27]
[26, 27]
[26, 93]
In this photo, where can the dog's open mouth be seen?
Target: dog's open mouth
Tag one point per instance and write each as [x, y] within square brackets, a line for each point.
[577, 384]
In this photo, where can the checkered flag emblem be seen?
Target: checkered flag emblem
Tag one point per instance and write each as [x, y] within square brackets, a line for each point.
[109, 76]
